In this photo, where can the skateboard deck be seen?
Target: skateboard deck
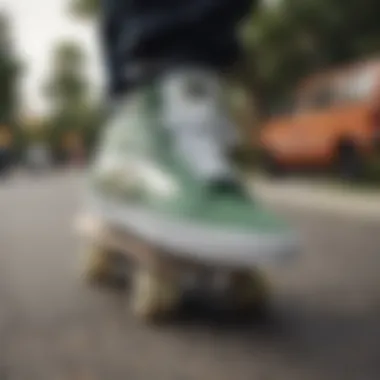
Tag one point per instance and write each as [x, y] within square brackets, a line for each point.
[157, 278]
[112, 237]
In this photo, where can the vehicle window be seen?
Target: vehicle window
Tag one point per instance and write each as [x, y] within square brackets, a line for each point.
[358, 86]
[365, 84]
[316, 99]
[343, 87]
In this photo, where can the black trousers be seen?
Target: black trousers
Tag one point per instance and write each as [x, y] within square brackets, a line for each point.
[143, 37]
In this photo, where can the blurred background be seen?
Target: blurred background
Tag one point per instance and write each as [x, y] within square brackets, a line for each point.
[307, 100]
[49, 84]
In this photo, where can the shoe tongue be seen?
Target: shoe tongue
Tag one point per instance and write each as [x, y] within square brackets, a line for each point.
[203, 155]
[201, 131]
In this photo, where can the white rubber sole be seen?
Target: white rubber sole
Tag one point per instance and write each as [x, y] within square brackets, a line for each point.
[193, 241]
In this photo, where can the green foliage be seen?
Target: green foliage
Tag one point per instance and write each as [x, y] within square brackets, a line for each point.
[67, 88]
[73, 110]
[84, 8]
[294, 38]
[9, 71]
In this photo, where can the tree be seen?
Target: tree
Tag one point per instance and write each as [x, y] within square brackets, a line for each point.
[84, 8]
[9, 74]
[9, 70]
[73, 111]
[294, 38]
[67, 88]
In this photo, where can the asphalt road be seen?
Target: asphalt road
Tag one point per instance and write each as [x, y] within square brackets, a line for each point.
[325, 321]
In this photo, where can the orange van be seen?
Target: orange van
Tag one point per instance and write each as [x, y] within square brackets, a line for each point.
[334, 122]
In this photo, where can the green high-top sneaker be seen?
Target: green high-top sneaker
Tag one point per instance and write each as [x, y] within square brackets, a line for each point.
[163, 173]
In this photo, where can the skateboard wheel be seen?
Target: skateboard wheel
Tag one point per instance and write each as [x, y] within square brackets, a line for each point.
[154, 296]
[249, 291]
[97, 266]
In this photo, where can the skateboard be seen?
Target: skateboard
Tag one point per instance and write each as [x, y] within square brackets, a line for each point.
[158, 279]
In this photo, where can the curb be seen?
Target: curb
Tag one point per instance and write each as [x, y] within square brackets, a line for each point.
[317, 197]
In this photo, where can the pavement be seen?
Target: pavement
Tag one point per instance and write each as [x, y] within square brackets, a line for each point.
[324, 321]
[318, 196]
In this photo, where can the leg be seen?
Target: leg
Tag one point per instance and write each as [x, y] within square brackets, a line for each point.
[165, 33]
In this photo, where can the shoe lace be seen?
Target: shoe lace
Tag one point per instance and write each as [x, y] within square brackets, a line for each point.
[201, 130]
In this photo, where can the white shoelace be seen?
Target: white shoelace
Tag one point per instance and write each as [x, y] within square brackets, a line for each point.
[199, 125]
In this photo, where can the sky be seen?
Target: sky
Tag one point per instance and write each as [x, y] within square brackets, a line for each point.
[37, 25]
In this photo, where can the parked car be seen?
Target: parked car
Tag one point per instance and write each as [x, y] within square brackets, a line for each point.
[334, 123]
